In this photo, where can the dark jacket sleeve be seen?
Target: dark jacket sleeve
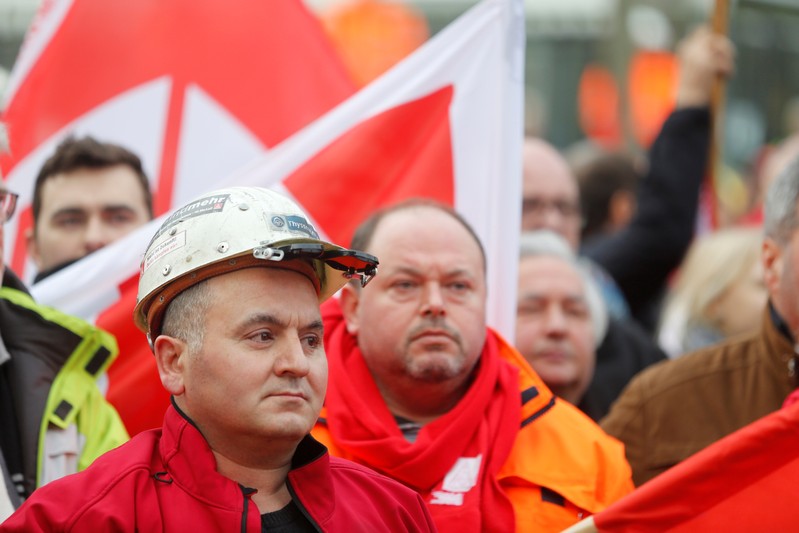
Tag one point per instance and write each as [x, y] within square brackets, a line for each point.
[642, 255]
[625, 351]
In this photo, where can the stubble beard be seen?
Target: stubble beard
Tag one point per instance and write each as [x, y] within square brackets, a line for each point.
[434, 362]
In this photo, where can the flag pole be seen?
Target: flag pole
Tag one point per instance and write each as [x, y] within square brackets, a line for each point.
[720, 25]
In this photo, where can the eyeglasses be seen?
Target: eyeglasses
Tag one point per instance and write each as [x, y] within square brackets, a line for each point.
[537, 207]
[8, 204]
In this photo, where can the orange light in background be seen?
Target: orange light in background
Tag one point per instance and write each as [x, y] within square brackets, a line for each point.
[651, 86]
[598, 105]
[372, 35]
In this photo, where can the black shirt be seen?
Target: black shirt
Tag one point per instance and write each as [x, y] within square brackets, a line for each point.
[287, 520]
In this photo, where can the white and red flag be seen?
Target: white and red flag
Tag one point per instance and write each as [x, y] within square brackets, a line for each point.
[445, 123]
[197, 89]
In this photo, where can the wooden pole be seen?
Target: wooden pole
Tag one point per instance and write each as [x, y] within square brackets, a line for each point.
[720, 25]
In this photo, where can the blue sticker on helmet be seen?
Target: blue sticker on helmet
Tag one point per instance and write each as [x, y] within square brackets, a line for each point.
[293, 224]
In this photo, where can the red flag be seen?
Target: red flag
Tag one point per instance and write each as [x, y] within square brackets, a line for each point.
[744, 482]
[381, 161]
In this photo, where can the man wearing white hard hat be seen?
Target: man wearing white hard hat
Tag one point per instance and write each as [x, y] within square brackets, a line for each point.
[229, 297]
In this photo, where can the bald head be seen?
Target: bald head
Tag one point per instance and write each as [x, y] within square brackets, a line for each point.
[551, 199]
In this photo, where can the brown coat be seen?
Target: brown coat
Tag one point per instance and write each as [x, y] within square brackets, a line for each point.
[675, 408]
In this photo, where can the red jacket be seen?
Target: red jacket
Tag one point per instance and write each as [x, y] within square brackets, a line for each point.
[166, 480]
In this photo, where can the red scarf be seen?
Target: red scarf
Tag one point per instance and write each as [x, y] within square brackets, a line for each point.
[484, 423]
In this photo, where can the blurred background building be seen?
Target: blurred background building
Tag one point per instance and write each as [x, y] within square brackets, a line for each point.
[594, 68]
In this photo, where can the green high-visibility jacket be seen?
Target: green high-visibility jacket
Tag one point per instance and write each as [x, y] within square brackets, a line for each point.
[63, 421]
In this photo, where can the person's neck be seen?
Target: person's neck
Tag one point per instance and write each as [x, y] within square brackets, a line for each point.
[422, 402]
[267, 477]
[570, 394]
[251, 460]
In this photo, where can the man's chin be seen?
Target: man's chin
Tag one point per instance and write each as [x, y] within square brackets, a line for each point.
[435, 367]
[287, 430]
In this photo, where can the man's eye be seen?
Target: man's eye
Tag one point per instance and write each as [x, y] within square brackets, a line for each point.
[578, 311]
[313, 341]
[120, 218]
[68, 222]
[529, 309]
[262, 336]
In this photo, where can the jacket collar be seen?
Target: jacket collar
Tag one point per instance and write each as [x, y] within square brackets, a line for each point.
[10, 279]
[191, 463]
[779, 322]
[536, 398]
[538, 401]
[779, 343]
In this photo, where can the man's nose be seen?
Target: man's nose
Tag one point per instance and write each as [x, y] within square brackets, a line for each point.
[551, 218]
[292, 359]
[433, 303]
[556, 320]
[97, 234]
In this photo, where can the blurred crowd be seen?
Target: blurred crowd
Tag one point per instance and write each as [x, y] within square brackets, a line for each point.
[643, 336]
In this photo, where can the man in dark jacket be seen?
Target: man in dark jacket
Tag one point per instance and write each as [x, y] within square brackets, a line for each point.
[229, 296]
[676, 408]
[632, 264]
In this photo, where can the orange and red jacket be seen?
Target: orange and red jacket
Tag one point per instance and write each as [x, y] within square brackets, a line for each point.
[562, 466]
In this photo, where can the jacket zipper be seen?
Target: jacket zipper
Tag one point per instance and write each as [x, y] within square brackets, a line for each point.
[245, 491]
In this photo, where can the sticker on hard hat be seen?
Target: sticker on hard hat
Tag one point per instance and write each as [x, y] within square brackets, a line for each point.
[170, 245]
[293, 224]
[203, 206]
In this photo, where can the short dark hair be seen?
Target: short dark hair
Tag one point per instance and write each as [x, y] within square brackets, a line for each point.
[365, 231]
[599, 179]
[87, 152]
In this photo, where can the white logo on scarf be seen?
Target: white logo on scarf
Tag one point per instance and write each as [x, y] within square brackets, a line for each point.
[461, 478]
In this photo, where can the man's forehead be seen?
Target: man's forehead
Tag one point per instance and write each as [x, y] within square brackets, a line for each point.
[79, 190]
[113, 176]
[423, 223]
[243, 282]
[421, 238]
[408, 266]
[551, 295]
[543, 163]
[541, 187]
[541, 269]
[418, 223]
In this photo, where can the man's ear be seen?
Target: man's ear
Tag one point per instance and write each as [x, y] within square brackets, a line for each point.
[771, 257]
[170, 356]
[33, 249]
[350, 298]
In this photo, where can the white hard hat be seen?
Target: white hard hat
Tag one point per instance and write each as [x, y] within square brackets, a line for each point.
[234, 228]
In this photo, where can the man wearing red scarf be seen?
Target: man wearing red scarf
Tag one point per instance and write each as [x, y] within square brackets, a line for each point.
[422, 391]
